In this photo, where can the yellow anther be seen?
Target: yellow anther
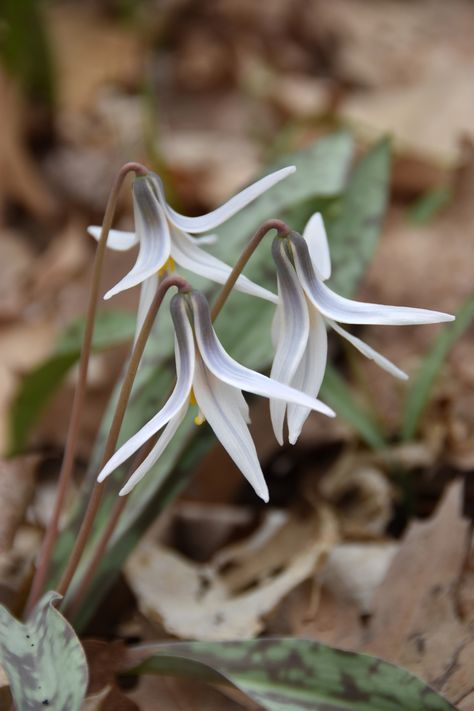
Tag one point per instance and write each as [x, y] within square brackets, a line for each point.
[199, 419]
[168, 266]
[192, 397]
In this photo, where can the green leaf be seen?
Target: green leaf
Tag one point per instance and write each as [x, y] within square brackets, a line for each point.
[39, 385]
[43, 659]
[354, 222]
[244, 328]
[421, 387]
[430, 204]
[21, 27]
[285, 674]
[336, 392]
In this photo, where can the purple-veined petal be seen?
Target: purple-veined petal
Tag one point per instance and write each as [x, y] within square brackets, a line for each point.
[222, 410]
[227, 369]
[189, 255]
[293, 331]
[369, 352]
[204, 223]
[164, 440]
[310, 372]
[316, 238]
[153, 234]
[185, 359]
[338, 308]
[116, 239]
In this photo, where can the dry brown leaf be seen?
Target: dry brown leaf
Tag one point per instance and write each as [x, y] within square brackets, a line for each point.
[113, 53]
[19, 178]
[360, 494]
[416, 620]
[230, 597]
[17, 480]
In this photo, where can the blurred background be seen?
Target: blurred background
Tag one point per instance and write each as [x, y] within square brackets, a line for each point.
[208, 93]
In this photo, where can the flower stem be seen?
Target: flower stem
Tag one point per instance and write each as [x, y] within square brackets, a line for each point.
[111, 443]
[79, 395]
[247, 252]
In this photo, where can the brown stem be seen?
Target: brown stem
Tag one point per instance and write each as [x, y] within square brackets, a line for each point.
[111, 443]
[105, 537]
[79, 395]
[247, 252]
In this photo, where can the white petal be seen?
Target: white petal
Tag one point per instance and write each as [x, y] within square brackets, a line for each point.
[310, 373]
[117, 239]
[316, 238]
[165, 438]
[338, 308]
[185, 358]
[204, 223]
[189, 255]
[227, 369]
[147, 294]
[221, 409]
[369, 352]
[153, 233]
[207, 239]
[293, 331]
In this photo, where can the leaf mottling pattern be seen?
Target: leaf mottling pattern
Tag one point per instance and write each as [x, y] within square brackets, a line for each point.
[43, 659]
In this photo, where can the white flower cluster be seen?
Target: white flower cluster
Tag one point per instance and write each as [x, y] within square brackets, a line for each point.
[305, 307]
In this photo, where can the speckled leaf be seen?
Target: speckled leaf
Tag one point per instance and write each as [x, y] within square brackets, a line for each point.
[295, 675]
[43, 659]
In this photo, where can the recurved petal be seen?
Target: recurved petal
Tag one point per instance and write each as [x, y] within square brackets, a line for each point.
[153, 234]
[293, 330]
[227, 369]
[338, 308]
[185, 359]
[189, 255]
[204, 223]
[220, 405]
[116, 239]
[310, 372]
[316, 238]
[164, 440]
[369, 352]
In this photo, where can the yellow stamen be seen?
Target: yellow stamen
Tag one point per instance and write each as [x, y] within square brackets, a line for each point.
[192, 397]
[199, 419]
[168, 266]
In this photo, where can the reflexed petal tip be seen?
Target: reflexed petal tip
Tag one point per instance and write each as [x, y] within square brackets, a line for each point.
[116, 239]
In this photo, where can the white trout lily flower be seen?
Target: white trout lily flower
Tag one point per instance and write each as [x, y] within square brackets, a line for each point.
[164, 235]
[207, 375]
[306, 306]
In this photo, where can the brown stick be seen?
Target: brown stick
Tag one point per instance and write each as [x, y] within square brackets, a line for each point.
[247, 252]
[79, 395]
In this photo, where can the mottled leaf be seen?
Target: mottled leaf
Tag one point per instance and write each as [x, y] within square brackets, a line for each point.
[286, 674]
[422, 384]
[354, 222]
[38, 386]
[43, 659]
